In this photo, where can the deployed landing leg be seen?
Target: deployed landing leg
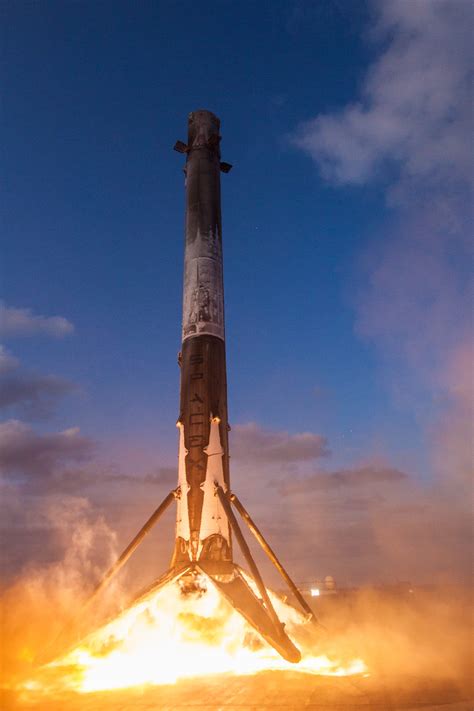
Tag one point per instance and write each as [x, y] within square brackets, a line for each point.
[233, 584]
[248, 557]
[120, 562]
[270, 553]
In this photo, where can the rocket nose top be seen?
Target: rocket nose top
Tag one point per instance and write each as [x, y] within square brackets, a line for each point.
[202, 125]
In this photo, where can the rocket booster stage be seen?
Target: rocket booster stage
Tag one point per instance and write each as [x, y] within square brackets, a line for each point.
[205, 516]
[202, 528]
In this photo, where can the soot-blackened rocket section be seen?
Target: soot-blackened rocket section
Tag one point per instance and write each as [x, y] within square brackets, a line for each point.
[202, 527]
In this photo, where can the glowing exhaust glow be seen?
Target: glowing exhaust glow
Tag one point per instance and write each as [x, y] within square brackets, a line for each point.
[170, 636]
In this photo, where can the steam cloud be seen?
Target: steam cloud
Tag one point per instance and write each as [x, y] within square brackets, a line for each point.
[43, 602]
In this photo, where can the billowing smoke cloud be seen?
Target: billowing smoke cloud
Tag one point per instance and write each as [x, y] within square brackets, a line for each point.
[20, 322]
[42, 606]
[32, 467]
[57, 544]
[41, 469]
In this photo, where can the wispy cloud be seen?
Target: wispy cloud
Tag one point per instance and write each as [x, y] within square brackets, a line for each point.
[355, 477]
[413, 115]
[412, 302]
[28, 394]
[367, 523]
[32, 395]
[409, 130]
[251, 442]
[8, 362]
[99, 476]
[22, 322]
[25, 452]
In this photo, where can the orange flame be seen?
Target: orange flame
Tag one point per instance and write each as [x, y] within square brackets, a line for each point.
[167, 636]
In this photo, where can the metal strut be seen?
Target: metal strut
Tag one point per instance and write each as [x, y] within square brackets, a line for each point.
[120, 562]
[248, 557]
[270, 553]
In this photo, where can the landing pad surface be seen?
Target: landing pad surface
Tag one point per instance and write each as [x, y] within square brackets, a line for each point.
[262, 692]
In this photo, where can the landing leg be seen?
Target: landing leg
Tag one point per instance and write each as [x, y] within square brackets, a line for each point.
[270, 553]
[248, 557]
[242, 598]
[120, 562]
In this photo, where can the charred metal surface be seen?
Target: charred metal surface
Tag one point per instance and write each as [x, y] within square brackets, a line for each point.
[202, 531]
[203, 291]
[203, 395]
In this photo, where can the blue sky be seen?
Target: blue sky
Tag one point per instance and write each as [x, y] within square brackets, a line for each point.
[341, 216]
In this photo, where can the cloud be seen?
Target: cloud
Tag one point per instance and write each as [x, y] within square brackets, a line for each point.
[410, 131]
[252, 442]
[98, 475]
[356, 477]
[43, 488]
[29, 394]
[163, 475]
[32, 394]
[19, 322]
[413, 116]
[8, 362]
[412, 298]
[452, 431]
[25, 453]
[367, 524]
[39, 529]
[69, 545]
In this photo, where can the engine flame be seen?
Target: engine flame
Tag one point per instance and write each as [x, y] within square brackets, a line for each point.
[169, 636]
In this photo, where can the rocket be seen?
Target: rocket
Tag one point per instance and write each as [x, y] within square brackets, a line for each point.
[202, 528]
[206, 524]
